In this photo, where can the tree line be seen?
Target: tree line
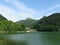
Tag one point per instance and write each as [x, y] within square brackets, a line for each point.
[6, 25]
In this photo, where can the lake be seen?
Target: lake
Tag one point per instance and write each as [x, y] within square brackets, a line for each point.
[37, 38]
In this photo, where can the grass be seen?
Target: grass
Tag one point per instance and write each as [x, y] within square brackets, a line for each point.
[15, 32]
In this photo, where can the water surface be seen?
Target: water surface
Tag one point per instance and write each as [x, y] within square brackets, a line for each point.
[41, 38]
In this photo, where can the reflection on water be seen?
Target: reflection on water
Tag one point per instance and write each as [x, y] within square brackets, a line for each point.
[6, 41]
[42, 38]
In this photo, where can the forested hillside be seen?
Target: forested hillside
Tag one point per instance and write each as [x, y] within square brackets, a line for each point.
[48, 23]
[27, 22]
[6, 25]
[2, 18]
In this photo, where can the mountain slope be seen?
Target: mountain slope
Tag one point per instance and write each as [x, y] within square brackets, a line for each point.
[2, 17]
[27, 22]
[50, 23]
[6, 25]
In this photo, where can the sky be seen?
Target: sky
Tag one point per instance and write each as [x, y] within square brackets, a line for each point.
[16, 10]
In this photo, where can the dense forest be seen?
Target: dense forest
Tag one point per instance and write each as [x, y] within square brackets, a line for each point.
[6, 25]
[48, 23]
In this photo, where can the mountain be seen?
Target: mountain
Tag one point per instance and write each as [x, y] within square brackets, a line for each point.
[48, 23]
[27, 22]
[2, 17]
[7, 25]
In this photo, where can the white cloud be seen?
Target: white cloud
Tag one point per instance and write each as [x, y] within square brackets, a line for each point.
[8, 13]
[23, 8]
[14, 15]
[51, 8]
[23, 12]
[7, 0]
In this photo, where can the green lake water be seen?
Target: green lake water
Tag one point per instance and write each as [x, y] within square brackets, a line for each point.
[38, 38]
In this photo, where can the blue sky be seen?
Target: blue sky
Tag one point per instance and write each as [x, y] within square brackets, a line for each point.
[15, 10]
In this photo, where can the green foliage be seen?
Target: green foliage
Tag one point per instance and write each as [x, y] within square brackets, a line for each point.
[6, 25]
[50, 23]
[10, 26]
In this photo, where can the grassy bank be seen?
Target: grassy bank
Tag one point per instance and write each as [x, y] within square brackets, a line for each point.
[12, 32]
[15, 32]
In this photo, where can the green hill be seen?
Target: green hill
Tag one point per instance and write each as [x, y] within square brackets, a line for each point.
[27, 22]
[48, 23]
[6, 25]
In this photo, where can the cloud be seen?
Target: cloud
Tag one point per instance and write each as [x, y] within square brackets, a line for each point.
[51, 8]
[15, 15]
[8, 13]
[20, 11]
[23, 8]
[7, 0]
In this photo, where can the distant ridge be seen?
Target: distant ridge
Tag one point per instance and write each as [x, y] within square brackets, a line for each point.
[27, 22]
